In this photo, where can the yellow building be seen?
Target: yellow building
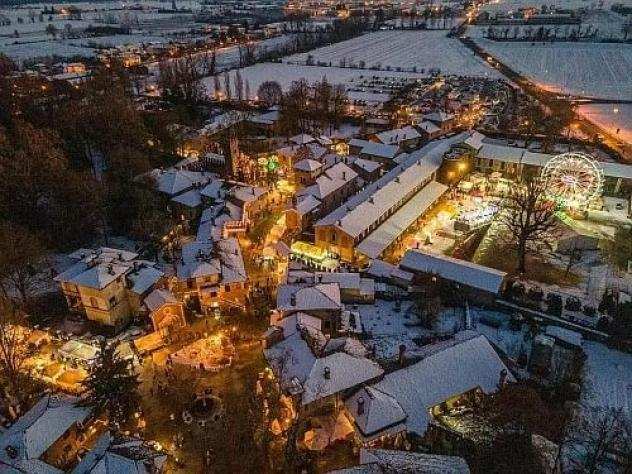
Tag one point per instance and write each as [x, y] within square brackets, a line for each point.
[107, 285]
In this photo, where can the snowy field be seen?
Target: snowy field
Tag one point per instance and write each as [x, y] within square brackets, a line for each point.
[588, 69]
[285, 74]
[604, 115]
[26, 37]
[505, 6]
[412, 51]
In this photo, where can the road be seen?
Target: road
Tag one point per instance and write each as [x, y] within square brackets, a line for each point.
[555, 101]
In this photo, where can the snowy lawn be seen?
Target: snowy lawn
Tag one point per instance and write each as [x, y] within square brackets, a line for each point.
[404, 50]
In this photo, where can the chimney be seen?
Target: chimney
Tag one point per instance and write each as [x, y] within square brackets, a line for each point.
[360, 406]
[110, 269]
[327, 373]
[371, 200]
[397, 179]
[293, 300]
[253, 191]
[400, 357]
[502, 379]
[320, 278]
[344, 175]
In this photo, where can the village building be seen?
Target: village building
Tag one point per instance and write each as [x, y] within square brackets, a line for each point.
[452, 373]
[211, 275]
[482, 282]
[30, 444]
[369, 150]
[321, 300]
[165, 310]
[368, 213]
[115, 454]
[108, 285]
[445, 121]
[315, 380]
[353, 288]
[406, 138]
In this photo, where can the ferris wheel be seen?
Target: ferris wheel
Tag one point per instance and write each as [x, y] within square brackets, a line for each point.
[574, 178]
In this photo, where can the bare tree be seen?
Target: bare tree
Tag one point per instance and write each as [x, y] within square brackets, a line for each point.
[179, 80]
[270, 93]
[528, 219]
[14, 352]
[21, 254]
[596, 437]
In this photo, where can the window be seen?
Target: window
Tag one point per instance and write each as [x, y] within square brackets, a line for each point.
[227, 288]
[112, 301]
[94, 302]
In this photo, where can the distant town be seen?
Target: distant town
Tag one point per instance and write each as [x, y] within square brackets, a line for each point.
[316, 237]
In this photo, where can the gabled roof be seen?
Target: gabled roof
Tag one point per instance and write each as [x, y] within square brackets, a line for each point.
[428, 127]
[99, 276]
[174, 181]
[143, 278]
[158, 298]
[380, 411]
[118, 455]
[439, 117]
[302, 139]
[306, 204]
[292, 324]
[41, 426]
[307, 165]
[460, 271]
[308, 297]
[397, 135]
[463, 364]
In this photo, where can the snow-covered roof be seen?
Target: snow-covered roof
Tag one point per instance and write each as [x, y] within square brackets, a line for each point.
[330, 181]
[307, 165]
[117, 455]
[439, 116]
[397, 135]
[428, 127]
[214, 189]
[358, 213]
[143, 278]
[451, 370]
[380, 150]
[404, 462]
[322, 296]
[345, 280]
[266, 118]
[190, 198]
[379, 411]
[248, 193]
[306, 204]
[382, 237]
[40, 427]
[475, 140]
[158, 298]
[504, 153]
[367, 165]
[198, 260]
[292, 324]
[460, 271]
[173, 181]
[567, 336]
[384, 270]
[98, 276]
[302, 139]
[337, 372]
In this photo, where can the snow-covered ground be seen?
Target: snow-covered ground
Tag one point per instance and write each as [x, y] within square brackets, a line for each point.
[505, 6]
[588, 69]
[388, 328]
[285, 74]
[608, 377]
[412, 51]
[611, 117]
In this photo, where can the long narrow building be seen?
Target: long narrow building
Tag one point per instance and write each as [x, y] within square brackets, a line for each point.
[379, 212]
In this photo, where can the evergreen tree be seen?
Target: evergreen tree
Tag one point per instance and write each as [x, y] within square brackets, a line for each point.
[112, 386]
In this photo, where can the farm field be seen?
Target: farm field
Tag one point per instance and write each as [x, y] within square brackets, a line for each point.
[412, 51]
[285, 74]
[589, 69]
